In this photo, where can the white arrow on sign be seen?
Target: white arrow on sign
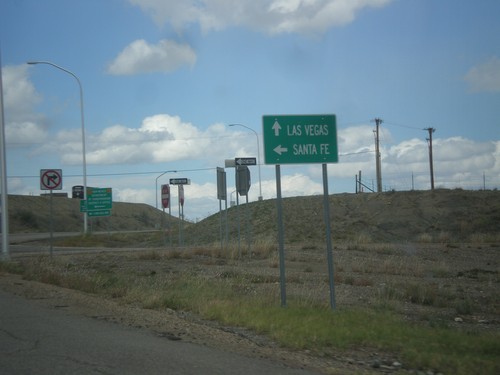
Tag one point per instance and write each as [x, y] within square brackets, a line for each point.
[276, 128]
[246, 161]
[279, 150]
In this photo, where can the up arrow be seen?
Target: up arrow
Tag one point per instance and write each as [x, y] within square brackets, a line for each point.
[276, 128]
[279, 150]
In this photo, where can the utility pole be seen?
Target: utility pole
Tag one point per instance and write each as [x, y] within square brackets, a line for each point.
[431, 163]
[377, 155]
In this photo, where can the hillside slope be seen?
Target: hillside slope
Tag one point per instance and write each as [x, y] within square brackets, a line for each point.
[32, 214]
[440, 215]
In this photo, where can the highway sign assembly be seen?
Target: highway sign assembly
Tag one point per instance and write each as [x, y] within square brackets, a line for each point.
[298, 139]
[50, 179]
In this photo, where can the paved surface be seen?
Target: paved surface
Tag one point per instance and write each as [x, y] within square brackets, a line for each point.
[35, 339]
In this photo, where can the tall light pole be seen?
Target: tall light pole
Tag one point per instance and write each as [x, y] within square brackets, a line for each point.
[85, 225]
[3, 175]
[258, 155]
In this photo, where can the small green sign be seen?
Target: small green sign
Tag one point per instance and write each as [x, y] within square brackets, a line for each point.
[298, 139]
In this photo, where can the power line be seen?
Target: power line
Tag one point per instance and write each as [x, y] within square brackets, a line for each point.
[123, 173]
[402, 126]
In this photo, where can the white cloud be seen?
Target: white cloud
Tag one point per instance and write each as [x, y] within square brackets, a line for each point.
[23, 123]
[485, 76]
[19, 134]
[20, 96]
[268, 16]
[141, 57]
[159, 139]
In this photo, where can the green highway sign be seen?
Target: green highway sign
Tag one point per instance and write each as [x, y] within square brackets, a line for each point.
[99, 202]
[297, 139]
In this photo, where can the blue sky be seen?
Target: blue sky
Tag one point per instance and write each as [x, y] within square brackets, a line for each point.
[162, 80]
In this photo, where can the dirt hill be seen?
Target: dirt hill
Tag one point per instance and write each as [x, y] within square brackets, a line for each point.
[440, 215]
[32, 214]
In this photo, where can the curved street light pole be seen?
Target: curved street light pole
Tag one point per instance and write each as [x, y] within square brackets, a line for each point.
[85, 225]
[258, 155]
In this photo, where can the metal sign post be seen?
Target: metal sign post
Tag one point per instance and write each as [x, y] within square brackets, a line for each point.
[281, 236]
[180, 189]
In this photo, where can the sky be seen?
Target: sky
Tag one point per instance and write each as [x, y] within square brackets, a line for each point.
[163, 80]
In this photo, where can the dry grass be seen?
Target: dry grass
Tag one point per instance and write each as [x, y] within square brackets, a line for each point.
[420, 285]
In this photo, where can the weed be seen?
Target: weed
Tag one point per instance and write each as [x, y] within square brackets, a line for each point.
[424, 238]
[12, 267]
[149, 255]
[464, 306]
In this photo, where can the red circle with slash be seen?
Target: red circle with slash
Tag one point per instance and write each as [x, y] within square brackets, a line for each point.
[51, 179]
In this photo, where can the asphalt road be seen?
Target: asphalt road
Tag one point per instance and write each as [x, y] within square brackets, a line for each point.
[36, 339]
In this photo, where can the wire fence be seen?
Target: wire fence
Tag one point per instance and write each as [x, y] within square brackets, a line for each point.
[398, 182]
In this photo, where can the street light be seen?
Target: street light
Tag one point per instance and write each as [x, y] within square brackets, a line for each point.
[258, 155]
[83, 132]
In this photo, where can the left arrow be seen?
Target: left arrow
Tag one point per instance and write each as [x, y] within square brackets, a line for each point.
[279, 150]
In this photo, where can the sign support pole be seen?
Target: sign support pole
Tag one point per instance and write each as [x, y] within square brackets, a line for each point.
[163, 226]
[239, 224]
[227, 224]
[281, 236]
[180, 215]
[329, 251]
[51, 224]
[220, 224]
[238, 209]
[249, 240]
[169, 222]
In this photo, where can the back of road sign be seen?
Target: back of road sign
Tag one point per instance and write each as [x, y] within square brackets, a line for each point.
[297, 139]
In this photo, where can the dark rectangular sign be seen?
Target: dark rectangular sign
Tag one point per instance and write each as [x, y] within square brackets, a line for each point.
[245, 161]
[180, 181]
